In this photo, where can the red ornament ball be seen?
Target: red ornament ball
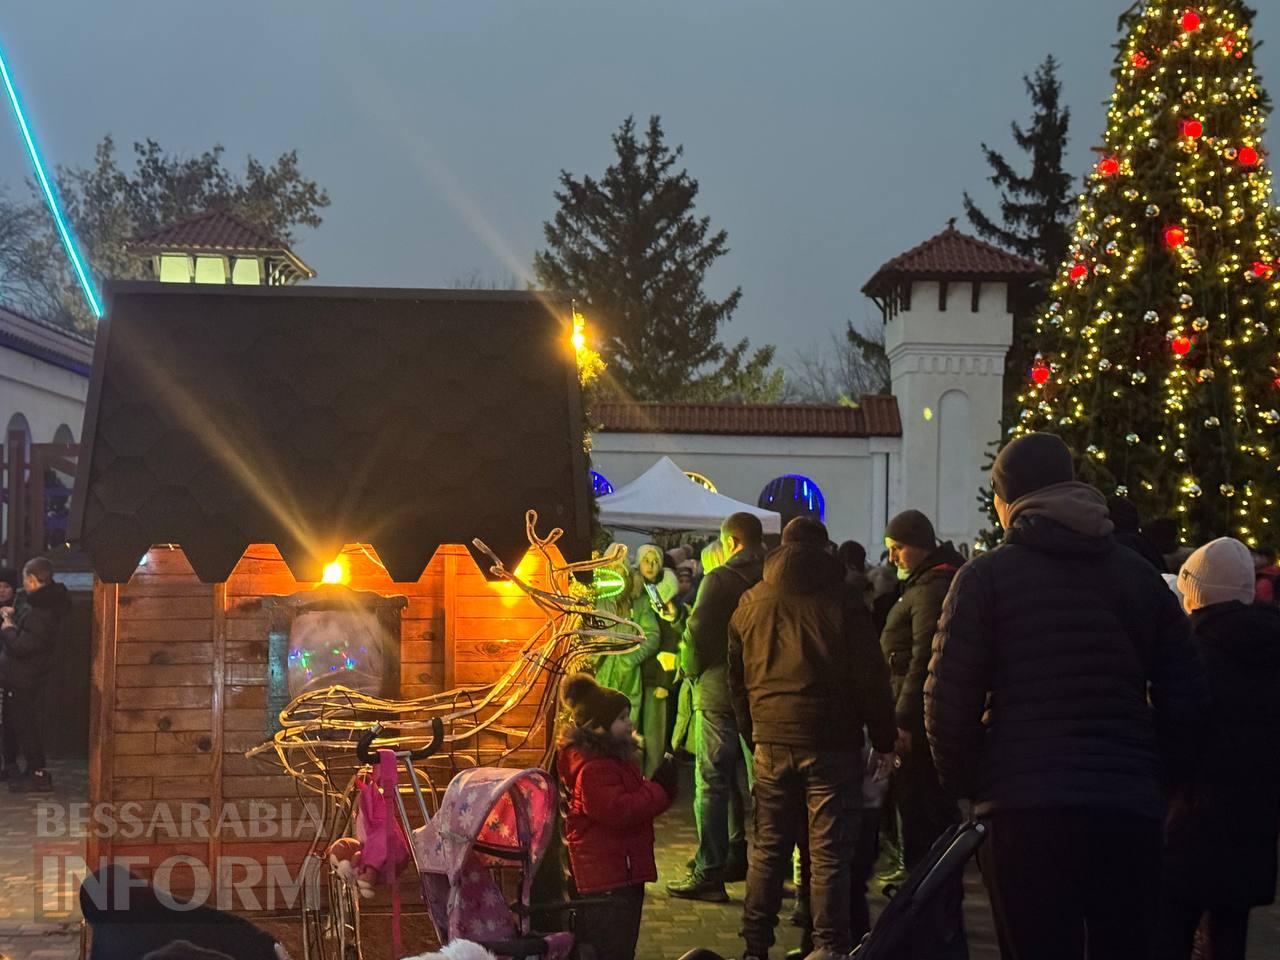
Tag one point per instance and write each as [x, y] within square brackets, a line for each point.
[1192, 129]
[1040, 373]
[1174, 236]
[1248, 157]
[1262, 269]
[1078, 271]
[1108, 166]
[1181, 344]
[1141, 60]
[1190, 21]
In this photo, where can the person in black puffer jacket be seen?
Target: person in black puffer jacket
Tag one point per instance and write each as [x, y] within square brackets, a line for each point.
[29, 643]
[1063, 689]
[925, 809]
[1220, 837]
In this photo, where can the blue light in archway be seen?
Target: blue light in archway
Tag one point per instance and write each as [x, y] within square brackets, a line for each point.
[794, 490]
[600, 486]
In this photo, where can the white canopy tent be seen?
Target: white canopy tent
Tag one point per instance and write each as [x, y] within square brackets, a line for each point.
[663, 498]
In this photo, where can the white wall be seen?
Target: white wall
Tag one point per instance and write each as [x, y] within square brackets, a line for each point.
[853, 473]
[47, 395]
[933, 354]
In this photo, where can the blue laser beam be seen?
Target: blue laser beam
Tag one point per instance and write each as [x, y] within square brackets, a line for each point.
[68, 242]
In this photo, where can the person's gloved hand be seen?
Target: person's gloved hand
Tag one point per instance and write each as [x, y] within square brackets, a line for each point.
[667, 776]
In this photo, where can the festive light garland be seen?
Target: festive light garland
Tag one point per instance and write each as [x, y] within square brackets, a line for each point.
[1159, 357]
[46, 188]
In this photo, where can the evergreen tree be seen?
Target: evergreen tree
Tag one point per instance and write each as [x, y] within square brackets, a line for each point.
[630, 247]
[1035, 209]
[1035, 212]
[1159, 356]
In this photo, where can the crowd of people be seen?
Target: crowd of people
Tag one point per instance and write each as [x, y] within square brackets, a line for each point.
[1105, 701]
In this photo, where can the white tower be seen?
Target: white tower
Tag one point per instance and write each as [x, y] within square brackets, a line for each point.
[947, 307]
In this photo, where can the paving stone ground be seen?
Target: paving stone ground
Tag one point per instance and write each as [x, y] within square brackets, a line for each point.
[671, 927]
[38, 921]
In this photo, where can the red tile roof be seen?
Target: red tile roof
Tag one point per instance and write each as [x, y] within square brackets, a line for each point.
[875, 416]
[952, 255]
[216, 231]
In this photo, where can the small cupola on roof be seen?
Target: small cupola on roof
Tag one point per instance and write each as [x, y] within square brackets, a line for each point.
[218, 247]
[948, 259]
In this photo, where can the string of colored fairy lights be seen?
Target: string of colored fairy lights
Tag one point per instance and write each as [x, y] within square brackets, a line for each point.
[1159, 360]
[78, 265]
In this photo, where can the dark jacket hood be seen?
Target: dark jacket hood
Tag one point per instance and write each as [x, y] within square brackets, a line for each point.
[799, 568]
[582, 744]
[52, 596]
[945, 556]
[1247, 634]
[1073, 508]
[1070, 518]
[748, 562]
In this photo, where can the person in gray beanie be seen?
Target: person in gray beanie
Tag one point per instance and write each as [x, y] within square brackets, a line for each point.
[1220, 839]
[1064, 699]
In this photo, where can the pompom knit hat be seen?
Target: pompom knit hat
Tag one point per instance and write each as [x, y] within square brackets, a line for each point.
[1220, 571]
[591, 704]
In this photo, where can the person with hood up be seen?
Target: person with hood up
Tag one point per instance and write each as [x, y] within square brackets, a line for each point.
[657, 673]
[1221, 834]
[1063, 689]
[1128, 532]
[805, 677]
[718, 749]
[625, 671]
[609, 812]
[30, 636]
[925, 809]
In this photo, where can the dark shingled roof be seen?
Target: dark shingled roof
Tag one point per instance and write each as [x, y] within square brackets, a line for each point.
[875, 416]
[952, 255]
[216, 231]
[221, 417]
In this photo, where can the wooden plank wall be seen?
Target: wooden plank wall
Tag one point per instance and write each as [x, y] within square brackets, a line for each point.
[180, 675]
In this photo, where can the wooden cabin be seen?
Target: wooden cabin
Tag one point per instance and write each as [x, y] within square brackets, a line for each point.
[240, 440]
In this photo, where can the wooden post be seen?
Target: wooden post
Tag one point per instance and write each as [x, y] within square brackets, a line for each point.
[218, 714]
[450, 617]
[102, 703]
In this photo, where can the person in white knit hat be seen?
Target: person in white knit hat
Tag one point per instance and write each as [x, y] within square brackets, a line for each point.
[1221, 836]
[1219, 572]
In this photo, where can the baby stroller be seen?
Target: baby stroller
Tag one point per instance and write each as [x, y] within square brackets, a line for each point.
[484, 844]
[911, 914]
[494, 825]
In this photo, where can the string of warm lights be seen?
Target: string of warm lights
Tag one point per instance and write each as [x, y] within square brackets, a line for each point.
[1159, 358]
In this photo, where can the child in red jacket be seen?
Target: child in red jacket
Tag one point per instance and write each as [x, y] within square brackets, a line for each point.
[608, 826]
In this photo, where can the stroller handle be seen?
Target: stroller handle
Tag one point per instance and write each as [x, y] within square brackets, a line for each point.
[366, 741]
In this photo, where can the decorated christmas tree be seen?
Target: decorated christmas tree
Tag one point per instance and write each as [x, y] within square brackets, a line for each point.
[1159, 353]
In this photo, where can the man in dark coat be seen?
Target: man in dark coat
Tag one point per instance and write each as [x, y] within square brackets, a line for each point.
[718, 749]
[925, 809]
[806, 675]
[29, 641]
[1063, 686]
[1220, 837]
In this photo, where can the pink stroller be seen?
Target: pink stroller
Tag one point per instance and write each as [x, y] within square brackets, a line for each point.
[493, 824]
